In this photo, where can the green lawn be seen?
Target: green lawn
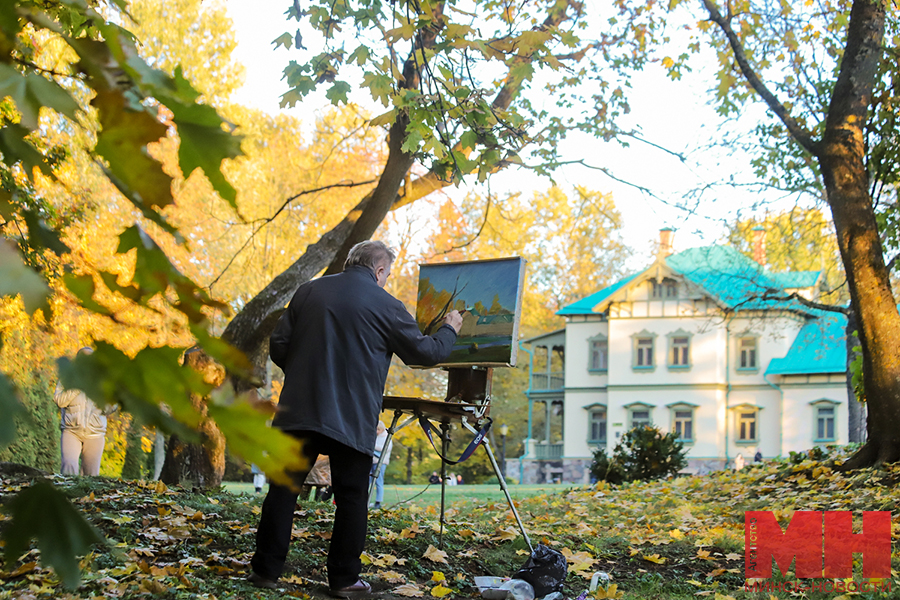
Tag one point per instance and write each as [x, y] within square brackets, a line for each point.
[422, 496]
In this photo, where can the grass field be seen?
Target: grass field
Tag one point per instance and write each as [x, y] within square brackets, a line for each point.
[422, 496]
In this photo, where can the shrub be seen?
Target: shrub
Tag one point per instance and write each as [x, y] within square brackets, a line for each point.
[643, 453]
[606, 469]
[37, 430]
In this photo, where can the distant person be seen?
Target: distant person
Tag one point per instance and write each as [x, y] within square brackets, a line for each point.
[459, 480]
[758, 456]
[434, 478]
[259, 478]
[738, 462]
[334, 343]
[83, 427]
[451, 479]
[380, 439]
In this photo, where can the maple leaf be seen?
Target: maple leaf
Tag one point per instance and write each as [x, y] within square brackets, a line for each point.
[440, 591]
[391, 576]
[410, 590]
[437, 576]
[435, 555]
[655, 558]
[504, 534]
[676, 534]
[611, 591]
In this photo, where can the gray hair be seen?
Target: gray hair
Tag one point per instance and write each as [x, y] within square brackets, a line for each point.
[370, 253]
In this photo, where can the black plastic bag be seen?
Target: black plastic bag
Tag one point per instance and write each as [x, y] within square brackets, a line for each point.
[545, 570]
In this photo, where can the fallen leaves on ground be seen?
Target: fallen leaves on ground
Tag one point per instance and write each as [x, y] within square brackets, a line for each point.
[686, 533]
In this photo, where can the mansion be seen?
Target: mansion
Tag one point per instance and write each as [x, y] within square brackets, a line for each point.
[706, 343]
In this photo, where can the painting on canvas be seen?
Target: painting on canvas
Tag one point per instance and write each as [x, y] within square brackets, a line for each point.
[488, 293]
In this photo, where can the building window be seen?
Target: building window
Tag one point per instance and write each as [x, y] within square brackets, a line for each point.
[825, 412]
[644, 352]
[668, 288]
[599, 355]
[639, 416]
[680, 349]
[747, 353]
[747, 425]
[683, 421]
[597, 422]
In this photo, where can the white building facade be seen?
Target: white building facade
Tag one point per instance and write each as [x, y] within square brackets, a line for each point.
[701, 343]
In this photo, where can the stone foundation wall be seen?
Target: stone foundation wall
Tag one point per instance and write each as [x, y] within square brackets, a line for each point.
[578, 470]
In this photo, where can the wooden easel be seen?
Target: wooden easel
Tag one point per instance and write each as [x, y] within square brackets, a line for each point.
[468, 400]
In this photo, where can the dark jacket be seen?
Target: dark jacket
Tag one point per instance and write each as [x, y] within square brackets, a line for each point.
[334, 343]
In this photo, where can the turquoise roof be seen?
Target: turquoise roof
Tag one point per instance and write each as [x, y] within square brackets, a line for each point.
[797, 279]
[724, 273]
[729, 277]
[820, 347]
[585, 306]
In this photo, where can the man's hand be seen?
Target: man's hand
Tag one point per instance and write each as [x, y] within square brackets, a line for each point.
[454, 320]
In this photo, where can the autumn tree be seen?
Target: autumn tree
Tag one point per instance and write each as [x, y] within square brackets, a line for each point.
[75, 88]
[798, 239]
[457, 89]
[827, 74]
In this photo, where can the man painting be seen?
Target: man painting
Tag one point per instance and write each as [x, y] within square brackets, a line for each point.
[334, 343]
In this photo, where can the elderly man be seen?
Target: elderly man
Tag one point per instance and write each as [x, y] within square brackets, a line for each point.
[334, 343]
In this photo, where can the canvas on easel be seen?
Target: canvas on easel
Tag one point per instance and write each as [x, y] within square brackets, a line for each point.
[488, 293]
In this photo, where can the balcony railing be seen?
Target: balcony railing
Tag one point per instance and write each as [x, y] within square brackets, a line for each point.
[548, 451]
[547, 381]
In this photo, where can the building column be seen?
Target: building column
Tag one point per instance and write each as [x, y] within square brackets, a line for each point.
[549, 406]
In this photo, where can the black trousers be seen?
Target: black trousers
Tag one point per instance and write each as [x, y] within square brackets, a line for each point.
[349, 479]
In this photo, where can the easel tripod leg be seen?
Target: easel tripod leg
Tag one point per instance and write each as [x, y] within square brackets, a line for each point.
[445, 449]
[512, 506]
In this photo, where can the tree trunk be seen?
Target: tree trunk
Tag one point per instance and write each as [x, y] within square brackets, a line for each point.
[842, 161]
[856, 422]
[198, 465]
[134, 453]
[409, 465]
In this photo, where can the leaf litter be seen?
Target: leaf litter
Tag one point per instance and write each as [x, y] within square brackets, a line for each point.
[679, 538]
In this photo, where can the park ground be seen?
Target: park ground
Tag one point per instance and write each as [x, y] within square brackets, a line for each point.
[673, 539]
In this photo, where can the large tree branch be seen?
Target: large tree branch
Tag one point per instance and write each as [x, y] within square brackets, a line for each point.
[805, 302]
[250, 328]
[803, 137]
[399, 162]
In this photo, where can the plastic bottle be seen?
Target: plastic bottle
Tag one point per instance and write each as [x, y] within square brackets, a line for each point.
[518, 589]
[601, 578]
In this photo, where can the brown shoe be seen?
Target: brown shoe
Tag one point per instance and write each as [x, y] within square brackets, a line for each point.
[261, 582]
[360, 588]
